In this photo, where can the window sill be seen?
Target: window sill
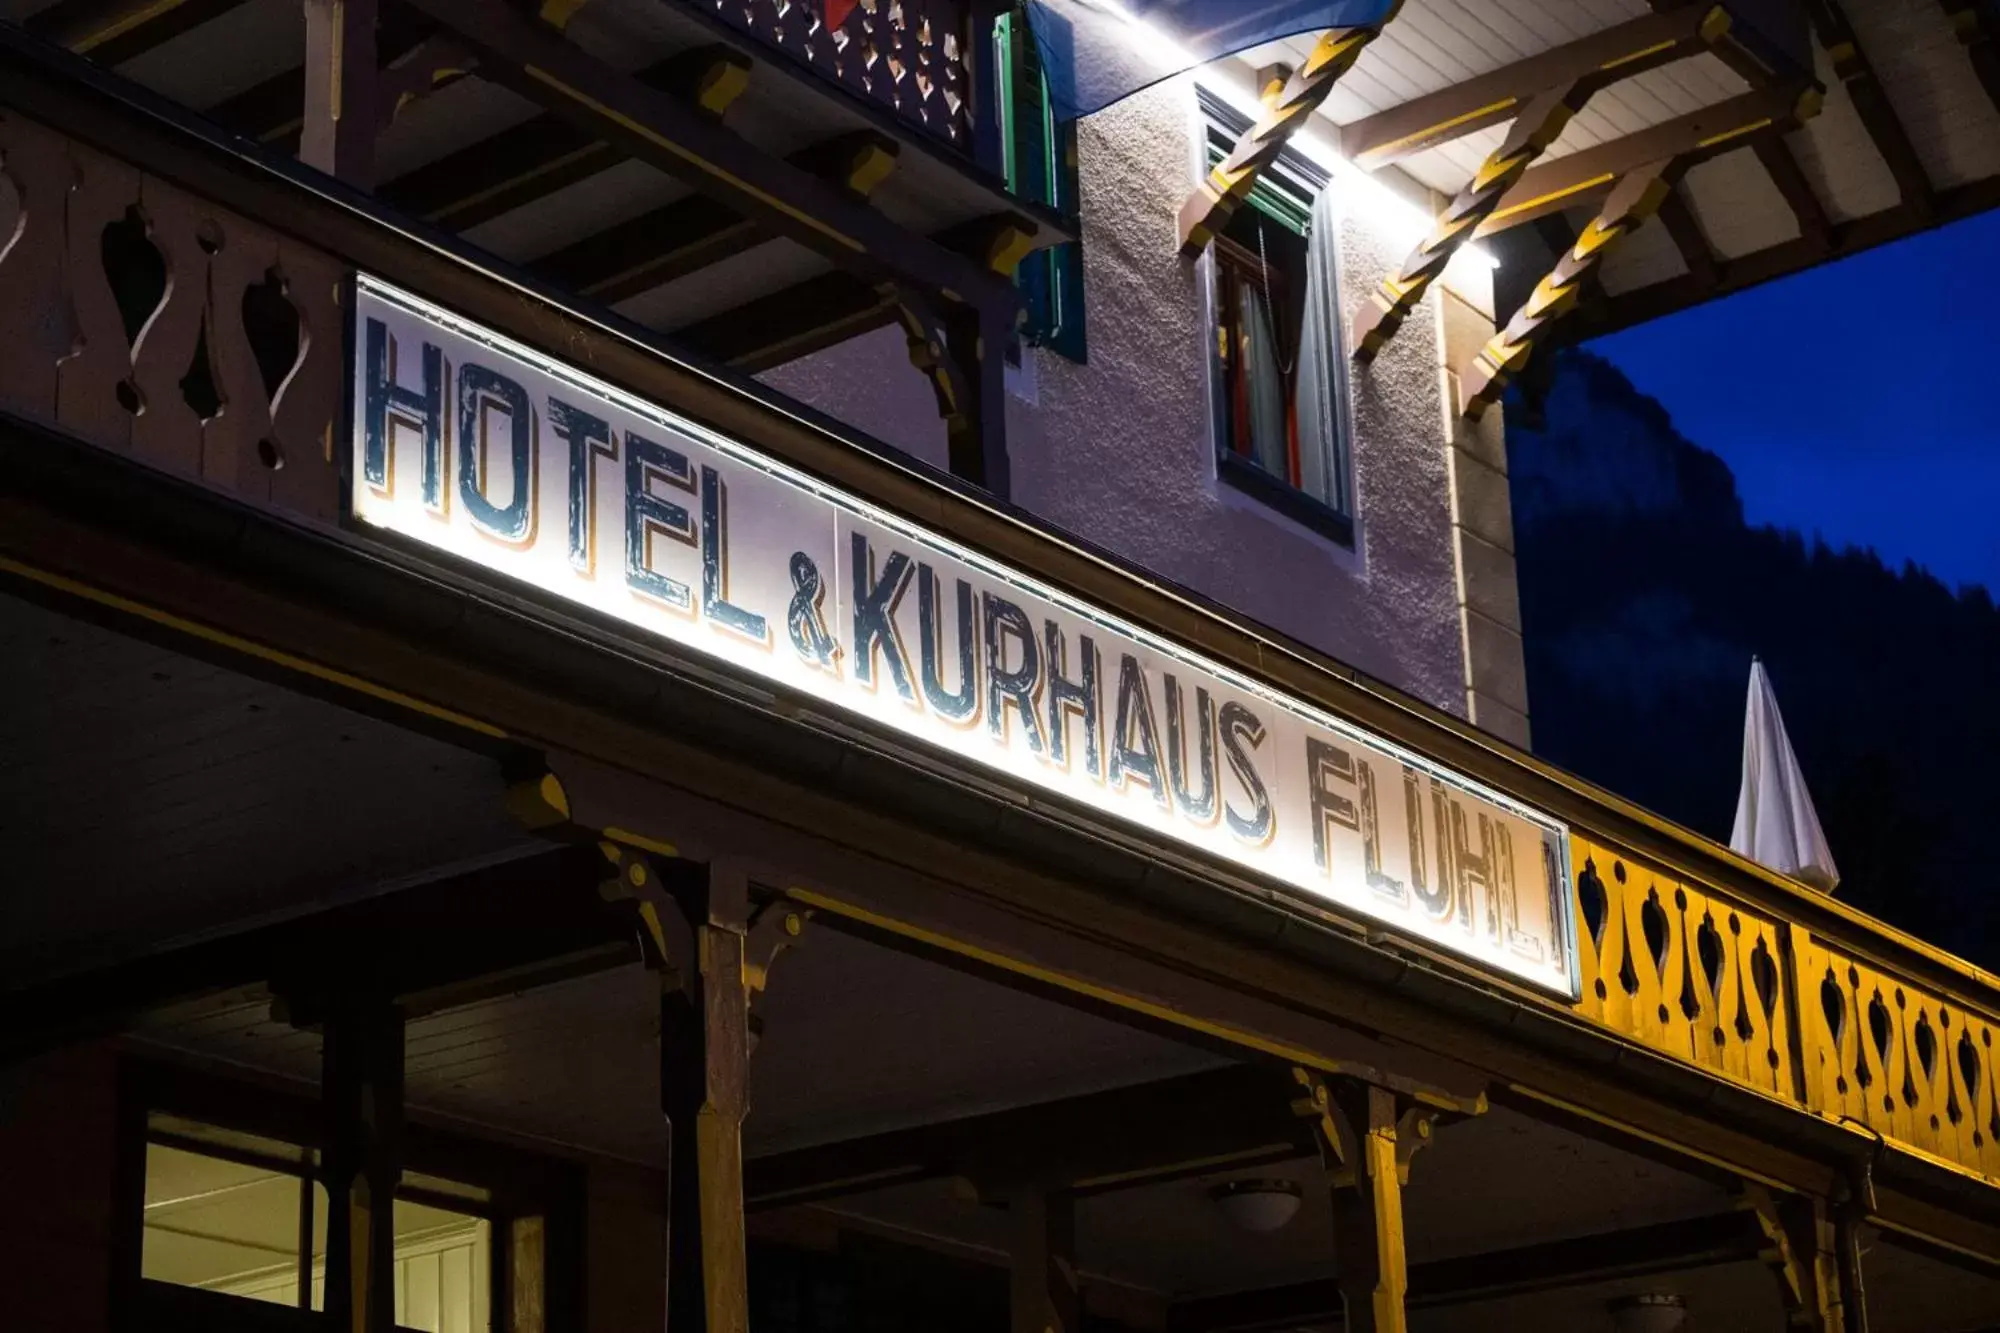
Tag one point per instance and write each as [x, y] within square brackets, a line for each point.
[1288, 500]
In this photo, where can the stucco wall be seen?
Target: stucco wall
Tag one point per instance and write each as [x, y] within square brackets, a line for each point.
[1121, 450]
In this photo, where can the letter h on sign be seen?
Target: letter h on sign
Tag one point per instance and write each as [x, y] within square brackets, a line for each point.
[388, 405]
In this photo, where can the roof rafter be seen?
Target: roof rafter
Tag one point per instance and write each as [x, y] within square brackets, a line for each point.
[1978, 28]
[1642, 44]
[1871, 103]
[1787, 257]
[1208, 209]
[1238, 1115]
[1642, 1251]
[1495, 98]
[688, 234]
[529, 161]
[1589, 175]
[669, 135]
[112, 32]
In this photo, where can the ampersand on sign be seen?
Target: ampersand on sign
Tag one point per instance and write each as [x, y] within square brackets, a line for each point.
[803, 619]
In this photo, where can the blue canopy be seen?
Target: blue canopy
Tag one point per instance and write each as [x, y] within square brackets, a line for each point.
[1094, 54]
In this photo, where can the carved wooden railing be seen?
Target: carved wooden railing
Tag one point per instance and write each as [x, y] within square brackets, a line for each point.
[1769, 1003]
[141, 319]
[910, 56]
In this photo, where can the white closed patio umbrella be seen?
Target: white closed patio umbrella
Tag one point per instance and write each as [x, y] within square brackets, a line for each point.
[1776, 824]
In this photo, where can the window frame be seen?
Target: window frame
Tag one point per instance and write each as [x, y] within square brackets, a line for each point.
[517, 1185]
[1285, 192]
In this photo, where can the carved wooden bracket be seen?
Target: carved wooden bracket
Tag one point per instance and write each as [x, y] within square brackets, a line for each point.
[1368, 1133]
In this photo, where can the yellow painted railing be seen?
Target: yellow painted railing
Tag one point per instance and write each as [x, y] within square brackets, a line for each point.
[1688, 970]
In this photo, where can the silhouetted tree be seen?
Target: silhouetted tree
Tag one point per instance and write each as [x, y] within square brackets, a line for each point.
[1644, 595]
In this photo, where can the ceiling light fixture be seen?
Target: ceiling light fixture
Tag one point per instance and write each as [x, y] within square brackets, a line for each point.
[1258, 1205]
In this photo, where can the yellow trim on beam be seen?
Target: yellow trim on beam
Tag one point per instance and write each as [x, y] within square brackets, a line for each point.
[1654, 49]
[641, 841]
[236, 643]
[1491, 108]
[124, 25]
[1736, 133]
[653, 137]
[1552, 196]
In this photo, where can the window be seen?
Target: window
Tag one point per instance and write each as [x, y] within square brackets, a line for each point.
[1039, 161]
[240, 1215]
[1280, 365]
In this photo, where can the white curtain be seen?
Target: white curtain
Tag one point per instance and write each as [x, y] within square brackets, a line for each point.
[1322, 470]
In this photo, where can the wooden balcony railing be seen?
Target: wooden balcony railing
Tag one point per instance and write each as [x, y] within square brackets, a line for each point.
[148, 321]
[911, 57]
[1776, 1005]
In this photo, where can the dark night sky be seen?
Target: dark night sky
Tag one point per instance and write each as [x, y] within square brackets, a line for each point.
[1857, 400]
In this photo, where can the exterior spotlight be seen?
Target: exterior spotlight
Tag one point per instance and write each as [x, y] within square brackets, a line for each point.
[1652, 1312]
[1257, 1205]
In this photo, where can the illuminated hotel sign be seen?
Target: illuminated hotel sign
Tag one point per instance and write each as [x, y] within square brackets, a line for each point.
[467, 442]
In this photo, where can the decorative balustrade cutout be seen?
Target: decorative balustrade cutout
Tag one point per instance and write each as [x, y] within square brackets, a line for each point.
[142, 319]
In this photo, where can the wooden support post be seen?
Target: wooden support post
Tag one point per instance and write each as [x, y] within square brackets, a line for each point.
[1367, 1134]
[1798, 1248]
[1045, 1297]
[1851, 1206]
[1208, 209]
[340, 107]
[704, 1087]
[713, 956]
[960, 351]
[1635, 198]
[361, 1087]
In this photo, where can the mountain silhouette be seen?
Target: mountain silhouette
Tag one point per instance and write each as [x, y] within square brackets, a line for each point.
[1644, 595]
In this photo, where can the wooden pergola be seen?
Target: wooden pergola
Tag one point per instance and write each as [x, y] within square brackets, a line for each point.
[1789, 170]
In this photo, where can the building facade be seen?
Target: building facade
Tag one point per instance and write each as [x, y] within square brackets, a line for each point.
[686, 664]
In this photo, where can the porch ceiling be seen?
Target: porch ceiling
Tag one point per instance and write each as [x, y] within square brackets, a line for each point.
[146, 796]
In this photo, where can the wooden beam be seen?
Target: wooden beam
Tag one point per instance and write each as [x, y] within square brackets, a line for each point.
[272, 111]
[1208, 209]
[1871, 101]
[822, 311]
[1614, 1256]
[796, 321]
[1851, 237]
[337, 134]
[1685, 229]
[1494, 99]
[1043, 1295]
[529, 161]
[697, 921]
[1978, 29]
[679, 238]
[112, 32]
[544, 922]
[1636, 197]
[1591, 174]
[1235, 1116]
[672, 136]
[1782, 165]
